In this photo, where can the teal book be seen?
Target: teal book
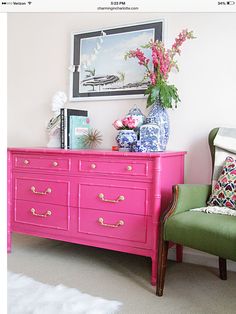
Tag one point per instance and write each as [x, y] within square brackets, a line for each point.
[78, 128]
[65, 115]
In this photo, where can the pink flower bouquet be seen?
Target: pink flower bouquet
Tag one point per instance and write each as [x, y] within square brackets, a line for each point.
[158, 69]
[128, 123]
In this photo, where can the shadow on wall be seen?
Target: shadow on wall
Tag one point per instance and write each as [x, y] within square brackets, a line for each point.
[198, 165]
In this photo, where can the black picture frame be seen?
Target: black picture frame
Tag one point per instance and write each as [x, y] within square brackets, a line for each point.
[103, 50]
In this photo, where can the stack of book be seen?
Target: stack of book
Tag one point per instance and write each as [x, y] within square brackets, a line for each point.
[73, 126]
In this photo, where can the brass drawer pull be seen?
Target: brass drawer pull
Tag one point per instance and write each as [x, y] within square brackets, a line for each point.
[55, 163]
[26, 162]
[48, 191]
[48, 213]
[118, 224]
[93, 166]
[129, 168]
[119, 198]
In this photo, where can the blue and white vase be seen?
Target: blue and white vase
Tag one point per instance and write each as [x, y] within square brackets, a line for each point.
[154, 135]
[137, 114]
[126, 139]
[150, 138]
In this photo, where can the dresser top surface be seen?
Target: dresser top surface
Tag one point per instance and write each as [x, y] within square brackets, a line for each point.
[96, 152]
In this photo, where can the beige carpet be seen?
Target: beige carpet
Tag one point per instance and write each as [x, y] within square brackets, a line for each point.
[123, 277]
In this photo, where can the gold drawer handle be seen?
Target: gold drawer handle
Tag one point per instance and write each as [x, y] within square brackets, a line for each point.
[48, 191]
[26, 162]
[55, 163]
[129, 168]
[93, 166]
[119, 223]
[48, 213]
[119, 198]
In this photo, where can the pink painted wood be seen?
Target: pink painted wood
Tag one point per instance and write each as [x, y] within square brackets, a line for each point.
[105, 199]
[121, 197]
[44, 189]
[116, 225]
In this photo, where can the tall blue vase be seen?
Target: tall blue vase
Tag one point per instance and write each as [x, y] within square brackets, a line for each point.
[154, 135]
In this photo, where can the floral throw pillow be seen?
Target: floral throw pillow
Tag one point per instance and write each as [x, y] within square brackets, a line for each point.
[224, 192]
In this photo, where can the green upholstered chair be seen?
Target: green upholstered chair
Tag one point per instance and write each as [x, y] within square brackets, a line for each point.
[211, 233]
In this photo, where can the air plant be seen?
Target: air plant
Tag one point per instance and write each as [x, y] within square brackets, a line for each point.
[92, 138]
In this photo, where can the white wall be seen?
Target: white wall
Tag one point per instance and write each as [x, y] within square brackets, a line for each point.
[39, 49]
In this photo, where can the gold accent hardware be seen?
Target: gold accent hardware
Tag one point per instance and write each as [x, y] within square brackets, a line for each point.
[48, 213]
[93, 166]
[129, 168]
[48, 191]
[119, 198]
[26, 162]
[55, 163]
[119, 223]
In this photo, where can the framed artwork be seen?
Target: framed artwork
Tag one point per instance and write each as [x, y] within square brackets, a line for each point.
[99, 70]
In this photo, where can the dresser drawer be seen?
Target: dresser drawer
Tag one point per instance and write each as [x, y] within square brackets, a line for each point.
[118, 198]
[115, 225]
[43, 215]
[139, 168]
[41, 190]
[41, 162]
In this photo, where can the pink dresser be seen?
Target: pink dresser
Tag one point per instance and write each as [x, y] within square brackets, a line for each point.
[105, 199]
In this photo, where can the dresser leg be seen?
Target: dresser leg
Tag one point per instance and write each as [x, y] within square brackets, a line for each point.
[179, 253]
[154, 272]
[9, 242]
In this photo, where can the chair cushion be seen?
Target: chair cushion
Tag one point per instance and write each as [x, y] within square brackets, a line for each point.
[224, 190]
[211, 233]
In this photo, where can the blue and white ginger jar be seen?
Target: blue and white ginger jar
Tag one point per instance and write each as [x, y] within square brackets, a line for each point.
[154, 135]
[137, 114]
[126, 139]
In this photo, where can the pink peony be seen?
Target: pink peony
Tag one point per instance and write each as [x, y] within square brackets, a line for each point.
[118, 124]
[130, 122]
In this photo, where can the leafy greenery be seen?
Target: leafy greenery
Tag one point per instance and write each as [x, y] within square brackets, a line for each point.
[166, 93]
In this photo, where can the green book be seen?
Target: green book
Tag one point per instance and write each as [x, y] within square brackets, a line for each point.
[78, 128]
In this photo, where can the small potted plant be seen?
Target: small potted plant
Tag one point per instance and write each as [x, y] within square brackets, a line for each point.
[127, 136]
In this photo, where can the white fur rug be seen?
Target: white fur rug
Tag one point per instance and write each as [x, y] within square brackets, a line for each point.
[28, 296]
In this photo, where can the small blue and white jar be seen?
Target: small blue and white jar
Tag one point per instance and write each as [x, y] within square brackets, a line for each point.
[137, 114]
[126, 139]
[150, 138]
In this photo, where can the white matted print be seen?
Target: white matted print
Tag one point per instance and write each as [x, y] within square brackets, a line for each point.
[99, 70]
